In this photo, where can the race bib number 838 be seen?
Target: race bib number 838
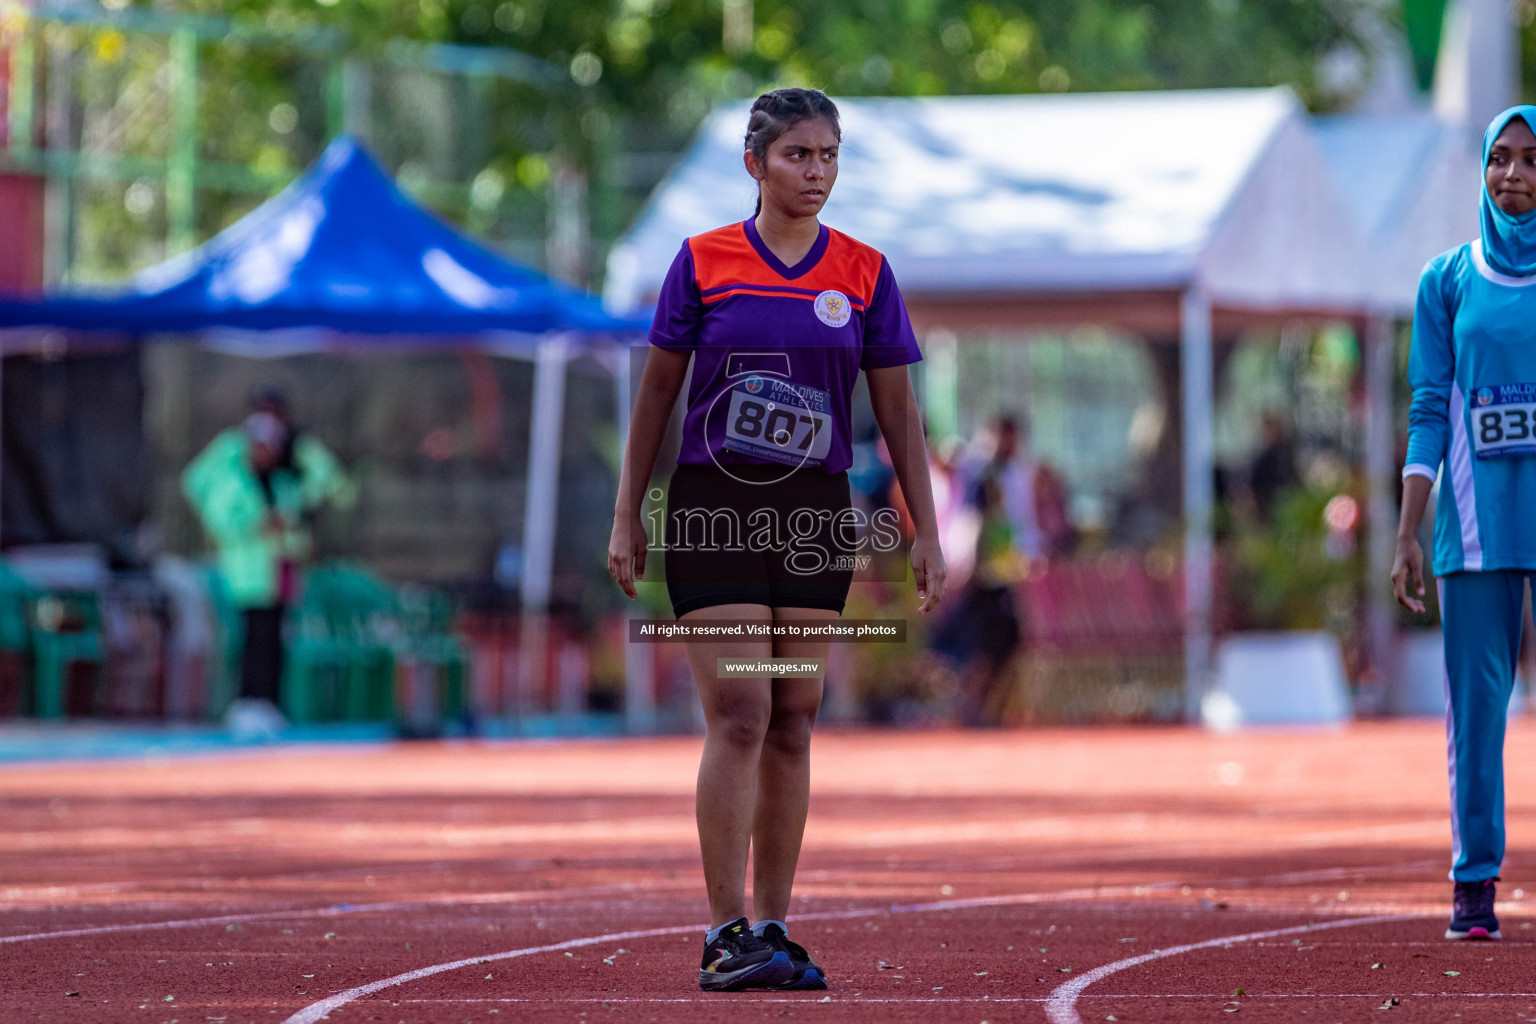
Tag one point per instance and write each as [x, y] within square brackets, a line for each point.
[1504, 420]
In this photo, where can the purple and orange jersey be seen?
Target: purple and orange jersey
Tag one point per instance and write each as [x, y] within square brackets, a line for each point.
[777, 349]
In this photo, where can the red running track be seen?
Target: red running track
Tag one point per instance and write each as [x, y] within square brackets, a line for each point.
[1044, 875]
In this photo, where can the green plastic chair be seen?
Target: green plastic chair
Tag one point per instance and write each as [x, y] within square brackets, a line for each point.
[66, 629]
[427, 617]
[366, 622]
[341, 648]
[351, 633]
[15, 593]
[312, 668]
[15, 638]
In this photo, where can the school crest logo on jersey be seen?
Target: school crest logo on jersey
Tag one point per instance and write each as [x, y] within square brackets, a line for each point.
[833, 308]
[1484, 396]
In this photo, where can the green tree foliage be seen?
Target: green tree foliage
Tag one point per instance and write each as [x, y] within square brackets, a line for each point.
[621, 84]
[1289, 573]
[666, 61]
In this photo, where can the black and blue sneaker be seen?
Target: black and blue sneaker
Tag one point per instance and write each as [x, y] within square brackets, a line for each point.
[737, 959]
[1472, 914]
[807, 973]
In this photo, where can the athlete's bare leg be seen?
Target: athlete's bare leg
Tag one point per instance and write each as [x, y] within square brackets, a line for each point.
[784, 773]
[737, 711]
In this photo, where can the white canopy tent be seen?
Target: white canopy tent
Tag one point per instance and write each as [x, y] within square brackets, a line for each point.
[1027, 194]
[1412, 183]
[1179, 215]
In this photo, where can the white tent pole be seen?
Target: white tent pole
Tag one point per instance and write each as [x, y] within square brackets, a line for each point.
[1196, 386]
[1380, 516]
[539, 514]
[639, 667]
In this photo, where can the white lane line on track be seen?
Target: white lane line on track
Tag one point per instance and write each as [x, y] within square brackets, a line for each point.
[318, 1011]
[334, 911]
[967, 1000]
[342, 909]
[194, 922]
[516, 897]
[540, 895]
[492, 899]
[1061, 1005]
[1308, 840]
[1290, 878]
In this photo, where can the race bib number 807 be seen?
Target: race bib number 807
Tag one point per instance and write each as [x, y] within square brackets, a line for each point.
[1504, 420]
[779, 420]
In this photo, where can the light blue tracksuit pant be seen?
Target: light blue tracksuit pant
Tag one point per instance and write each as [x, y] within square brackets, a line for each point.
[1480, 616]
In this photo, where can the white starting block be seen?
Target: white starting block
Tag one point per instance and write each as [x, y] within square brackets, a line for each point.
[1293, 678]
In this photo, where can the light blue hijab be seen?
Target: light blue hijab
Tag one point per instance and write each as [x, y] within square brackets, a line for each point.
[1509, 243]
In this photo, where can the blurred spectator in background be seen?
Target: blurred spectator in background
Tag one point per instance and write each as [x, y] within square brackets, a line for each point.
[958, 523]
[1273, 470]
[1006, 467]
[256, 488]
[320, 478]
[1058, 537]
[983, 631]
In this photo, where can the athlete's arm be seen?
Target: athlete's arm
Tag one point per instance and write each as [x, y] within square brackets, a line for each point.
[660, 383]
[901, 424]
[1408, 564]
[1432, 374]
[1431, 371]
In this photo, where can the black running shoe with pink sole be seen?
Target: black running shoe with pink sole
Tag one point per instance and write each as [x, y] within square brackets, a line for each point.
[737, 959]
[1472, 914]
[807, 973]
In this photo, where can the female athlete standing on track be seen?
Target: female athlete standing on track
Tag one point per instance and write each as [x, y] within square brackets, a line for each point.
[779, 315]
[1473, 371]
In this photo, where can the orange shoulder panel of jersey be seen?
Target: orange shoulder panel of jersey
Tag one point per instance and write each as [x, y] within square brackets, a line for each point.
[848, 266]
[725, 259]
[725, 256]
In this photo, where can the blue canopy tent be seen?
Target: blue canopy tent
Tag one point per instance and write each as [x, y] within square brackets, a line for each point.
[341, 250]
[342, 258]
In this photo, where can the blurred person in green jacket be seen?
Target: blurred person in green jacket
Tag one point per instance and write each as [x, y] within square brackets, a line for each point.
[256, 488]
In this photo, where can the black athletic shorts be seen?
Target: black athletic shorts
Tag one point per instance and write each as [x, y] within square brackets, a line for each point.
[737, 538]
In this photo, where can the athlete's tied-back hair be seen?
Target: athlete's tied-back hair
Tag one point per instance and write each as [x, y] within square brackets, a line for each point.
[774, 113]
